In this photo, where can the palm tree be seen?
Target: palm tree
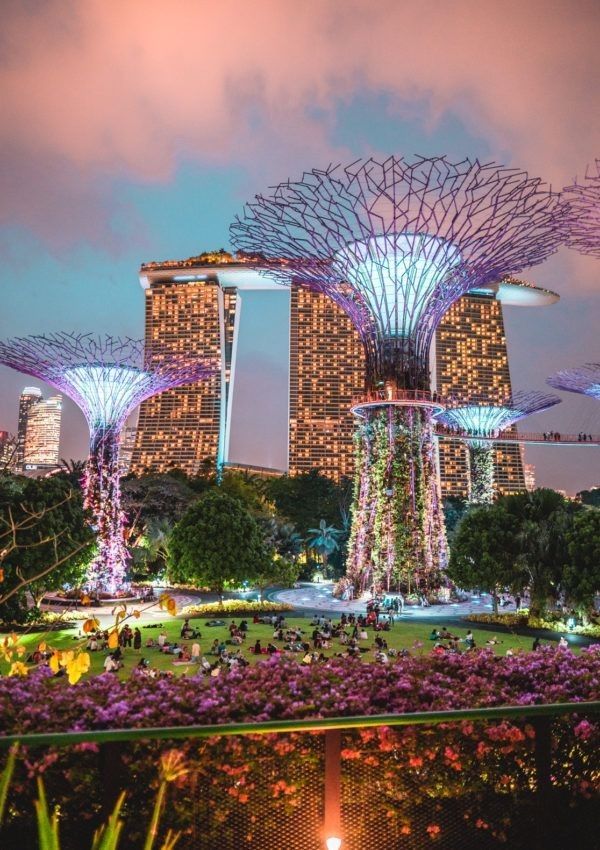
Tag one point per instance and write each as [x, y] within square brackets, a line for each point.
[74, 470]
[325, 540]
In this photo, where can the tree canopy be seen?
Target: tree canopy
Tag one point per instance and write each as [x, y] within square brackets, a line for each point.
[216, 542]
[520, 541]
[45, 537]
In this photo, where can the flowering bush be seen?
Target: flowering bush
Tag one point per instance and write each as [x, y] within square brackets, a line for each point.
[523, 619]
[235, 606]
[284, 688]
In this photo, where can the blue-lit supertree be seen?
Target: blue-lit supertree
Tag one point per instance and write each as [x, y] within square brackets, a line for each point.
[107, 378]
[394, 244]
[584, 216]
[581, 379]
[480, 424]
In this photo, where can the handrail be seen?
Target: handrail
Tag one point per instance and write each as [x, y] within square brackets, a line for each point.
[101, 736]
[521, 436]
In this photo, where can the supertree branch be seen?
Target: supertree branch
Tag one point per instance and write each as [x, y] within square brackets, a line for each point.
[394, 243]
[584, 216]
[487, 419]
[107, 377]
[581, 379]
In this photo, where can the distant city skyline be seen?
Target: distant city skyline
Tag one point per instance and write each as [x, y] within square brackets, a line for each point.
[161, 164]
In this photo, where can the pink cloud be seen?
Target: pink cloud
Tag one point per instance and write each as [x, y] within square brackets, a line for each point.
[128, 88]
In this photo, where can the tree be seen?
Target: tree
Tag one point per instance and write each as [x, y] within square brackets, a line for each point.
[590, 497]
[282, 537]
[159, 497]
[216, 542]
[305, 498]
[542, 518]
[454, 510]
[325, 539]
[483, 554]
[73, 470]
[276, 571]
[45, 538]
[581, 576]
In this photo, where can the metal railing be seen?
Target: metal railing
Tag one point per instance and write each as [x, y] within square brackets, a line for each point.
[377, 781]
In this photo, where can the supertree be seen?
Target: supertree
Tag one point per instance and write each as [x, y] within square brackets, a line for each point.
[584, 216]
[582, 379]
[481, 423]
[394, 244]
[107, 378]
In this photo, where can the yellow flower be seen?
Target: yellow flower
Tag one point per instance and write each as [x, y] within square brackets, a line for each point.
[172, 765]
[18, 669]
[91, 625]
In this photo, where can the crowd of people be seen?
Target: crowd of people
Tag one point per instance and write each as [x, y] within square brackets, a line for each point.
[353, 635]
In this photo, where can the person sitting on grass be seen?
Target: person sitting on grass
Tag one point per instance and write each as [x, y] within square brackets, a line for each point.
[271, 648]
[469, 639]
[493, 641]
[214, 647]
[257, 647]
[380, 642]
[150, 643]
[435, 635]
[111, 665]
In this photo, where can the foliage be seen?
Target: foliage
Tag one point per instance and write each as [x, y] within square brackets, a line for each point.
[304, 498]
[276, 571]
[45, 535]
[455, 509]
[481, 463]
[523, 619]
[282, 537]
[325, 539]
[581, 576]
[235, 606]
[483, 553]
[518, 542]
[152, 498]
[217, 541]
[590, 497]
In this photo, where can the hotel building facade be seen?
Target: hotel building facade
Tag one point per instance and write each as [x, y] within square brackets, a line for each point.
[203, 306]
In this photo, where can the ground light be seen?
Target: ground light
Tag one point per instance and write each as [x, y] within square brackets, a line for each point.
[333, 843]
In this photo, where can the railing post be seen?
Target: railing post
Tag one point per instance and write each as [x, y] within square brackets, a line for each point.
[543, 772]
[333, 781]
[112, 775]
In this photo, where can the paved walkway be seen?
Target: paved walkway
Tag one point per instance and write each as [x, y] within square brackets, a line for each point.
[319, 597]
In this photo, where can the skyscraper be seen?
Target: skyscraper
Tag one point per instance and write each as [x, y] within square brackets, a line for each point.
[42, 434]
[29, 397]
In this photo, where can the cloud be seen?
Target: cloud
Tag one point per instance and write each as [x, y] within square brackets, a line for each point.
[96, 91]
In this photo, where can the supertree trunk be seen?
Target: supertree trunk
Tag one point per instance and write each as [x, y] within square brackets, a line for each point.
[397, 538]
[481, 472]
[103, 499]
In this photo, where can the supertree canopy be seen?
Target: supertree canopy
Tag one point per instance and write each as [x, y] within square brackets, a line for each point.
[582, 379]
[107, 378]
[480, 423]
[584, 217]
[394, 244]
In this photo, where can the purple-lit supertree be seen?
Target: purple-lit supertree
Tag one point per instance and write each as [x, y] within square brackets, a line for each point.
[481, 423]
[394, 244]
[584, 216]
[582, 379]
[107, 378]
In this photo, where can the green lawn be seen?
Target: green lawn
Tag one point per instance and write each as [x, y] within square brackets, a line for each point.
[403, 635]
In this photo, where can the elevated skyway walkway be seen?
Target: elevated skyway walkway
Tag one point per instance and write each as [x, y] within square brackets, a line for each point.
[547, 439]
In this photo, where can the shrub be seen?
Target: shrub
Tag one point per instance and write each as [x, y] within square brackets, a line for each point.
[235, 606]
